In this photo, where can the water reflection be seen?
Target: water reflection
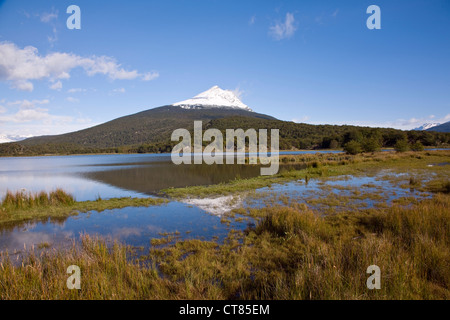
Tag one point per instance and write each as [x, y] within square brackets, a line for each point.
[133, 226]
[88, 177]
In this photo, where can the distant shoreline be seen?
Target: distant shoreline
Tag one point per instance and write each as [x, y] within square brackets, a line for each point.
[136, 153]
[167, 153]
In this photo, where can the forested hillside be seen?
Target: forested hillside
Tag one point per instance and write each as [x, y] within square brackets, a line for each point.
[150, 131]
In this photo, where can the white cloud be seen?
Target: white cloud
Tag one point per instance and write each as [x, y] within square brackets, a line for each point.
[75, 90]
[2, 109]
[20, 66]
[56, 86]
[301, 120]
[238, 93]
[150, 76]
[32, 118]
[402, 124]
[72, 99]
[22, 85]
[119, 90]
[27, 104]
[252, 20]
[30, 111]
[335, 13]
[284, 30]
[417, 122]
[53, 38]
[48, 17]
[445, 119]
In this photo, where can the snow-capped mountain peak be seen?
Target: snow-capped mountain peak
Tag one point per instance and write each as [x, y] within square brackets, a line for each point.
[426, 126]
[213, 98]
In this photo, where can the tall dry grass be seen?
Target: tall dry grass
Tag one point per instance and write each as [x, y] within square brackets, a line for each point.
[292, 253]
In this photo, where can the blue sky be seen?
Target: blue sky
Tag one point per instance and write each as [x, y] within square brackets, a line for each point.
[304, 61]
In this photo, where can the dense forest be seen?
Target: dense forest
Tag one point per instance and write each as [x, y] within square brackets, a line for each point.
[293, 136]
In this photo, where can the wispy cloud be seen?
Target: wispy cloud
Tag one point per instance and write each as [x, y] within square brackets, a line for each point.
[75, 90]
[20, 66]
[56, 85]
[49, 16]
[238, 92]
[301, 120]
[118, 90]
[33, 117]
[335, 13]
[150, 76]
[72, 99]
[252, 20]
[31, 110]
[284, 30]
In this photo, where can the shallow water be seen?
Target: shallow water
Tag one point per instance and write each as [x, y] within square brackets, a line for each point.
[133, 226]
[336, 193]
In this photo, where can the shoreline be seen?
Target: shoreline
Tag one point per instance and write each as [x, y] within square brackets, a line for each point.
[167, 153]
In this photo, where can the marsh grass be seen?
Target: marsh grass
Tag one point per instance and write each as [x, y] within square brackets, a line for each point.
[26, 200]
[291, 253]
[21, 206]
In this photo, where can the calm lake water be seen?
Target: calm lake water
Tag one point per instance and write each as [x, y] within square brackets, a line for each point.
[88, 177]
[110, 176]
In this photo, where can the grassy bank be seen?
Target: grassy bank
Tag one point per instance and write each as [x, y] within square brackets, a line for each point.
[291, 253]
[22, 206]
[329, 165]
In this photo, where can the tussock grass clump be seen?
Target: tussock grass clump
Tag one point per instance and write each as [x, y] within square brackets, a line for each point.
[27, 200]
[439, 186]
[285, 221]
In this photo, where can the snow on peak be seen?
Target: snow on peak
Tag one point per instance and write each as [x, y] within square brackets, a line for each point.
[214, 97]
[427, 126]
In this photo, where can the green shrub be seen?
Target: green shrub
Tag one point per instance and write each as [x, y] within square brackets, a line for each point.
[353, 147]
[417, 146]
[401, 145]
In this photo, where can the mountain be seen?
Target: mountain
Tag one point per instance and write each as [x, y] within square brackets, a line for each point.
[426, 126]
[151, 130]
[445, 127]
[154, 125]
[214, 98]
